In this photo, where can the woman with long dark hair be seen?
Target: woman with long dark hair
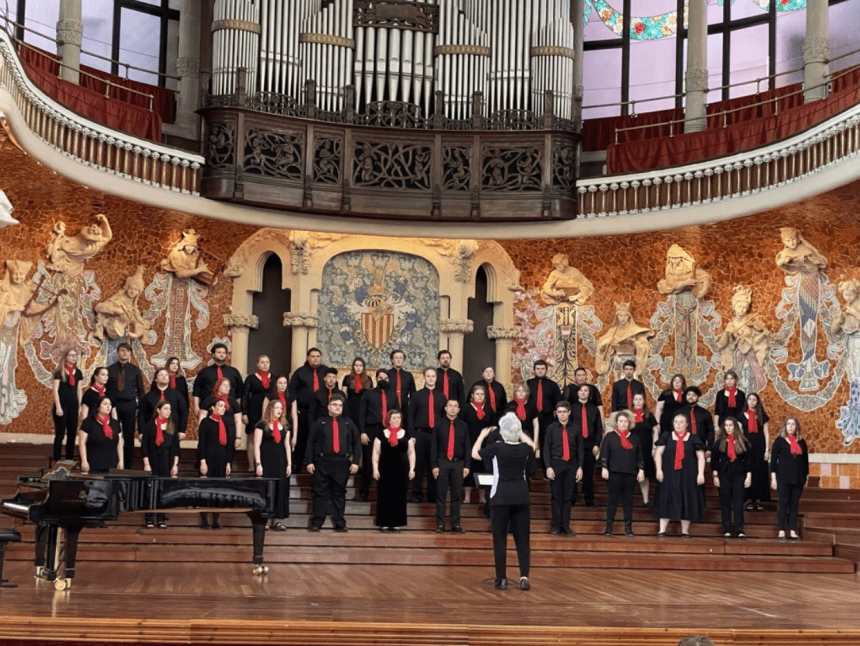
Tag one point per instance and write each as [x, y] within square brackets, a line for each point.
[645, 427]
[68, 387]
[789, 467]
[99, 440]
[756, 428]
[731, 401]
[670, 402]
[178, 382]
[215, 445]
[355, 384]
[95, 392]
[478, 417]
[159, 444]
[731, 463]
[257, 391]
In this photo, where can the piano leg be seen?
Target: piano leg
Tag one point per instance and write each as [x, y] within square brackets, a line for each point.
[51, 553]
[72, 534]
[258, 527]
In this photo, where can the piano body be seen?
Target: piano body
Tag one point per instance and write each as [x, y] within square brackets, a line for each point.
[60, 500]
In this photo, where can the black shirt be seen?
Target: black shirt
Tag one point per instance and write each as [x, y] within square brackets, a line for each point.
[721, 463]
[551, 396]
[322, 397]
[553, 446]
[789, 468]
[594, 421]
[178, 409]
[205, 381]
[302, 385]
[419, 409]
[704, 423]
[513, 466]
[320, 443]
[407, 387]
[619, 393]
[616, 459]
[371, 416]
[132, 383]
[439, 443]
[456, 386]
[572, 394]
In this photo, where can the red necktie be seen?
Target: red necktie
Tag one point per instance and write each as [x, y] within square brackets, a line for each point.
[384, 407]
[392, 436]
[732, 392]
[264, 377]
[629, 395]
[431, 412]
[730, 448]
[445, 384]
[398, 390]
[625, 443]
[638, 415]
[106, 427]
[492, 397]
[70, 370]
[539, 402]
[795, 445]
[160, 395]
[329, 393]
[222, 430]
[220, 374]
[584, 422]
[693, 421]
[160, 427]
[335, 436]
[276, 431]
[521, 409]
[679, 450]
[316, 381]
[173, 382]
[565, 444]
[479, 411]
[752, 426]
[451, 441]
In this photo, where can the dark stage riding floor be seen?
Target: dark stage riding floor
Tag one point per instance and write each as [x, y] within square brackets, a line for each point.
[365, 604]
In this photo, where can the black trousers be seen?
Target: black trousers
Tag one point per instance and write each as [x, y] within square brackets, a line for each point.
[423, 467]
[516, 520]
[562, 492]
[786, 508]
[732, 500]
[620, 487]
[587, 478]
[328, 485]
[126, 413]
[450, 479]
[65, 427]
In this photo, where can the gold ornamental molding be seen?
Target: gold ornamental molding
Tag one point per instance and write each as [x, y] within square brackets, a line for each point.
[552, 50]
[239, 25]
[327, 39]
[469, 50]
[249, 321]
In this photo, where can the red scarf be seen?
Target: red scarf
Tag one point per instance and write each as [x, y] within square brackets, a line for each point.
[679, 450]
[521, 409]
[335, 435]
[678, 395]
[795, 445]
[479, 410]
[638, 415]
[392, 435]
[450, 453]
[730, 448]
[222, 430]
[624, 435]
[584, 422]
[70, 371]
[107, 429]
[276, 431]
[752, 424]
[223, 398]
[265, 377]
[160, 429]
[357, 386]
[283, 399]
[539, 397]
[173, 382]
[732, 393]
[99, 389]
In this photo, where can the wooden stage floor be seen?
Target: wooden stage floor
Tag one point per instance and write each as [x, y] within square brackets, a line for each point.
[202, 603]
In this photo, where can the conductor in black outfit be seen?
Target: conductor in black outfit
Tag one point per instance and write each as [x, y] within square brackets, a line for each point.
[333, 452]
[451, 458]
[125, 388]
[624, 389]
[564, 453]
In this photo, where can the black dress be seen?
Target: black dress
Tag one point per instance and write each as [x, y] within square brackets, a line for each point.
[670, 407]
[722, 408]
[393, 484]
[217, 455]
[679, 497]
[273, 457]
[353, 399]
[527, 420]
[181, 386]
[470, 416]
[161, 458]
[760, 485]
[644, 430]
[91, 399]
[101, 450]
[253, 396]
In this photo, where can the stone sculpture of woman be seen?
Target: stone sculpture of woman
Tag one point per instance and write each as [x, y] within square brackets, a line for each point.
[746, 331]
[848, 322]
[623, 338]
[118, 316]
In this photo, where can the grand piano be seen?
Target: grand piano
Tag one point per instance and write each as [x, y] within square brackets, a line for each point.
[63, 500]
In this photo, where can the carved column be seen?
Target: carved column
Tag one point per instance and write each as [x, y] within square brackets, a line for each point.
[188, 68]
[504, 338]
[70, 30]
[304, 326]
[816, 51]
[240, 325]
[577, 9]
[456, 331]
[696, 77]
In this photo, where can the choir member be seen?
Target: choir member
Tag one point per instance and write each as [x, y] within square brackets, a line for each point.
[477, 418]
[426, 409]
[96, 391]
[588, 424]
[159, 444]
[256, 391]
[580, 378]
[273, 457]
[304, 384]
[670, 402]
[497, 398]
[563, 451]
[622, 465]
[789, 468]
[232, 411]
[332, 455]
[699, 420]
[513, 467]
[216, 443]
[624, 389]
[756, 426]
[730, 463]
[206, 379]
[372, 418]
[161, 391]
[522, 406]
[323, 396]
[355, 384]
[393, 467]
[402, 382]
[99, 440]
[68, 387]
[544, 394]
[680, 460]
[645, 428]
[451, 460]
[731, 401]
[125, 389]
[178, 382]
[449, 381]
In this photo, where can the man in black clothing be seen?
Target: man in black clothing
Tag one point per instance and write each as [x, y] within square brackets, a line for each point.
[125, 388]
[304, 384]
[333, 452]
[497, 398]
[402, 383]
[699, 419]
[448, 380]
[580, 378]
[624, 389]
[425, 410]
[373, 417]
[323, 396]
[592, 436]
[161, 391]
[451, 457]
[206, 379]
[544, 394]
[563, 452]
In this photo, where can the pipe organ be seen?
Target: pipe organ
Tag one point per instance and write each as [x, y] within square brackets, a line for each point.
[509, 52]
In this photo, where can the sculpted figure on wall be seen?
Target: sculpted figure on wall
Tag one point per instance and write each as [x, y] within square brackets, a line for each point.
[746, 331]
[848, 322]
[69, 254]
[184, 260]
[798, 254]
[119, 316]
[623, 338]
[6, 209]
[683, 274]
[565, 284]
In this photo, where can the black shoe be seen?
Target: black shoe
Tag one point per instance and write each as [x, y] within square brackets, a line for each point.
[567, 531]
[314, 528]
[162, 525]
[457, 529]
[341, 530]
[628, 530]
[216, 525]
[647, 504]
[417, 498]
[501, 584]
[440, 529]
[608, 530]
[205, 525]
[362, 498]
[524, 583]
[591, 503]
[151, 525]
[556, 531]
